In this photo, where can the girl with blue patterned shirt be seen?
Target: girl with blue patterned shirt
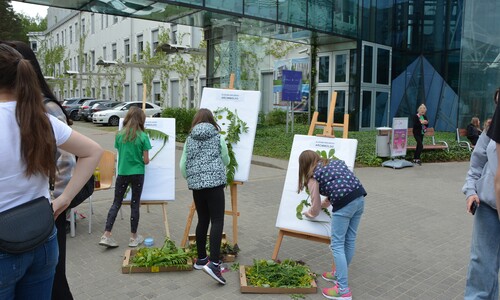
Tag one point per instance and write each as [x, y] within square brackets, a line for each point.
[345, 193]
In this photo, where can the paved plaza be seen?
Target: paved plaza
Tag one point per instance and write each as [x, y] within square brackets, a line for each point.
[413, 241]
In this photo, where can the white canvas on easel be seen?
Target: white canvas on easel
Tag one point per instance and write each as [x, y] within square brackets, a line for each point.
[345, 149]
[245, 104]
[159, 177]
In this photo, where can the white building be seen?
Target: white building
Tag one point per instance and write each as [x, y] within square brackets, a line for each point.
[107, 56]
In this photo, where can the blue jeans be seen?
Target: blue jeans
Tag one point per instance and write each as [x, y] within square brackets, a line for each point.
[29, 275]
[482, 276]
[345, 223]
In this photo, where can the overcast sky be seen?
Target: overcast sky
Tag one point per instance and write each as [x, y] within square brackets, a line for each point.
[30, 9]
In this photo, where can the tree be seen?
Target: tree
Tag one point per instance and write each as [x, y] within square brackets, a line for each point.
[31, 24]
[11, 24]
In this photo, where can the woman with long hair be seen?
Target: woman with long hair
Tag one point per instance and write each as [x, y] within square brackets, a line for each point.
[27, 150]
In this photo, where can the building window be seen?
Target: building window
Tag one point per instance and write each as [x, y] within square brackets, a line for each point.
[34, 46]
[104, 53]
[115, 19]
[71, 34]
[102, 22]
[113, 51]
[92, 60]
[92, 23]
[85, 62]
[173, 35]
[106, 20]
[127, 50]
[83, 26]
[154, 40]
[62, 38]
[156, 93]
[140, 46]
[76, 31]
[57, 39]
[191, 94]
[126, 92]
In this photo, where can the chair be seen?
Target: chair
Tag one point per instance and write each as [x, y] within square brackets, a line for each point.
[107, 169]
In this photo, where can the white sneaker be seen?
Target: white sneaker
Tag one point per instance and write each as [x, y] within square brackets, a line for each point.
[108, 242]
[136, 242]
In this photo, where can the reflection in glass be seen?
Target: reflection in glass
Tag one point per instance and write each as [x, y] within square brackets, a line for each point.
[366, 109]
[324, 69]
[322, 106]
[320, 14]
[340, 68]
[383, 61]
[235, 6]
[381, 108]
[368, 63]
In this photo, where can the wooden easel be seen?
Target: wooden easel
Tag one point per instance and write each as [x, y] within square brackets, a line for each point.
[328, 127]
[233, 187]
[164, 210]
[327, 132]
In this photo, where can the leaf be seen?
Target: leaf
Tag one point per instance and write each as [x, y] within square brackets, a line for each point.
[331, 153]
[157, 135]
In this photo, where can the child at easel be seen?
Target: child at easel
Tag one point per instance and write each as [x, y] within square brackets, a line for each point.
[345, 193]
[133, 147]
[203, 162]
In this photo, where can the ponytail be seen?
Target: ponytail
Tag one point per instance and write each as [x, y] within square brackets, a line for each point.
[38, 146]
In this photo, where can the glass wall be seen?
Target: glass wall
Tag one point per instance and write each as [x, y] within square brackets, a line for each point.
[480, 60]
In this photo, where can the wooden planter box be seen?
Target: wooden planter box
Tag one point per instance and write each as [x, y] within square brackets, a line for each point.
[225, 257]
[127, 269]
[244, 288]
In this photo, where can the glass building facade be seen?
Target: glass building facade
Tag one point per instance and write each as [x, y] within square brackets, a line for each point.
[383, 57]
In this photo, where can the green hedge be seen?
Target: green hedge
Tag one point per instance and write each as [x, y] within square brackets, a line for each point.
[183, 119]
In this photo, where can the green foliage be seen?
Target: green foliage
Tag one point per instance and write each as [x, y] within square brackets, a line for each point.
[167, 255]
[235, 128]
[288, 274]
[183, 118]
[276, 117]
[157, 135]
[11, 24]
[272, 141]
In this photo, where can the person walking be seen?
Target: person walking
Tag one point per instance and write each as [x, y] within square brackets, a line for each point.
[420, 123]
[22, 112]
[203, 162]
[133, 147]
[345, 193]
[481, 202]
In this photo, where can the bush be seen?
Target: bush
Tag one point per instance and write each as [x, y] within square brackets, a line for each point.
[183, 118]
[276, 117]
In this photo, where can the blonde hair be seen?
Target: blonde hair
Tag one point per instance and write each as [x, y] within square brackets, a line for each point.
[475, 122]
[133, 122]
[422, 107]
[308, 160]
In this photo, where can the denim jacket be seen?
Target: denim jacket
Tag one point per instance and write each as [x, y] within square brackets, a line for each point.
[480, 178]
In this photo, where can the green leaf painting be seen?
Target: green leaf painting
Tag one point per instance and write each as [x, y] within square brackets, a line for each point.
[235, 128]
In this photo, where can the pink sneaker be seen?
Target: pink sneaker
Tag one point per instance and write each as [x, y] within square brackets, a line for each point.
[330, 276]
[335, 293]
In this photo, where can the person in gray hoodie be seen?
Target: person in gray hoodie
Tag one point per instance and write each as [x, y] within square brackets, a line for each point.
[203, 163]
[479, 188]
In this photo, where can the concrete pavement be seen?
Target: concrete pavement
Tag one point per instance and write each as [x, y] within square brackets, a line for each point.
[413, 241]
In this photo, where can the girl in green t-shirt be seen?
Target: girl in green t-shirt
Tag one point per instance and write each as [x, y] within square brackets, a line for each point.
[133, 148]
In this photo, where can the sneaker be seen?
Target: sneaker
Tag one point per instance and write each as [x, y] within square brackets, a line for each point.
[335, 293]
[215, 272]
[136, 242]
[108, 242]
[200, 263]
[330, 276]
[419, 162]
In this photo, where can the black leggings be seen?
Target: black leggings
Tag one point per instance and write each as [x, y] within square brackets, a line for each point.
[122, 181]
[420, 146]
[210, 206]
[60, 287]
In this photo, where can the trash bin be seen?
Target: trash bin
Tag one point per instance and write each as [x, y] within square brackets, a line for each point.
[383, 148]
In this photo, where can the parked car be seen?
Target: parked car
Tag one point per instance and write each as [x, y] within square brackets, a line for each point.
[104, 106]
[84, 112]
[71, 105]
[112, 116]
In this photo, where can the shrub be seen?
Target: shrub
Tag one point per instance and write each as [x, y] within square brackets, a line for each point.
[183, 118]
[276, 117]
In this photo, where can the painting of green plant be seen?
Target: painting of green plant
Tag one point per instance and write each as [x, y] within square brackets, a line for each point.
[234, 128]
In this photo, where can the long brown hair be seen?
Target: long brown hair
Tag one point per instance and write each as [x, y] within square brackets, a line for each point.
[37, 139]
[496, 98]
[308, 160]
[133, 122]
[204, 116]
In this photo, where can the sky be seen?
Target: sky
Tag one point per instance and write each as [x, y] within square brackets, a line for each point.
[29, 9]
